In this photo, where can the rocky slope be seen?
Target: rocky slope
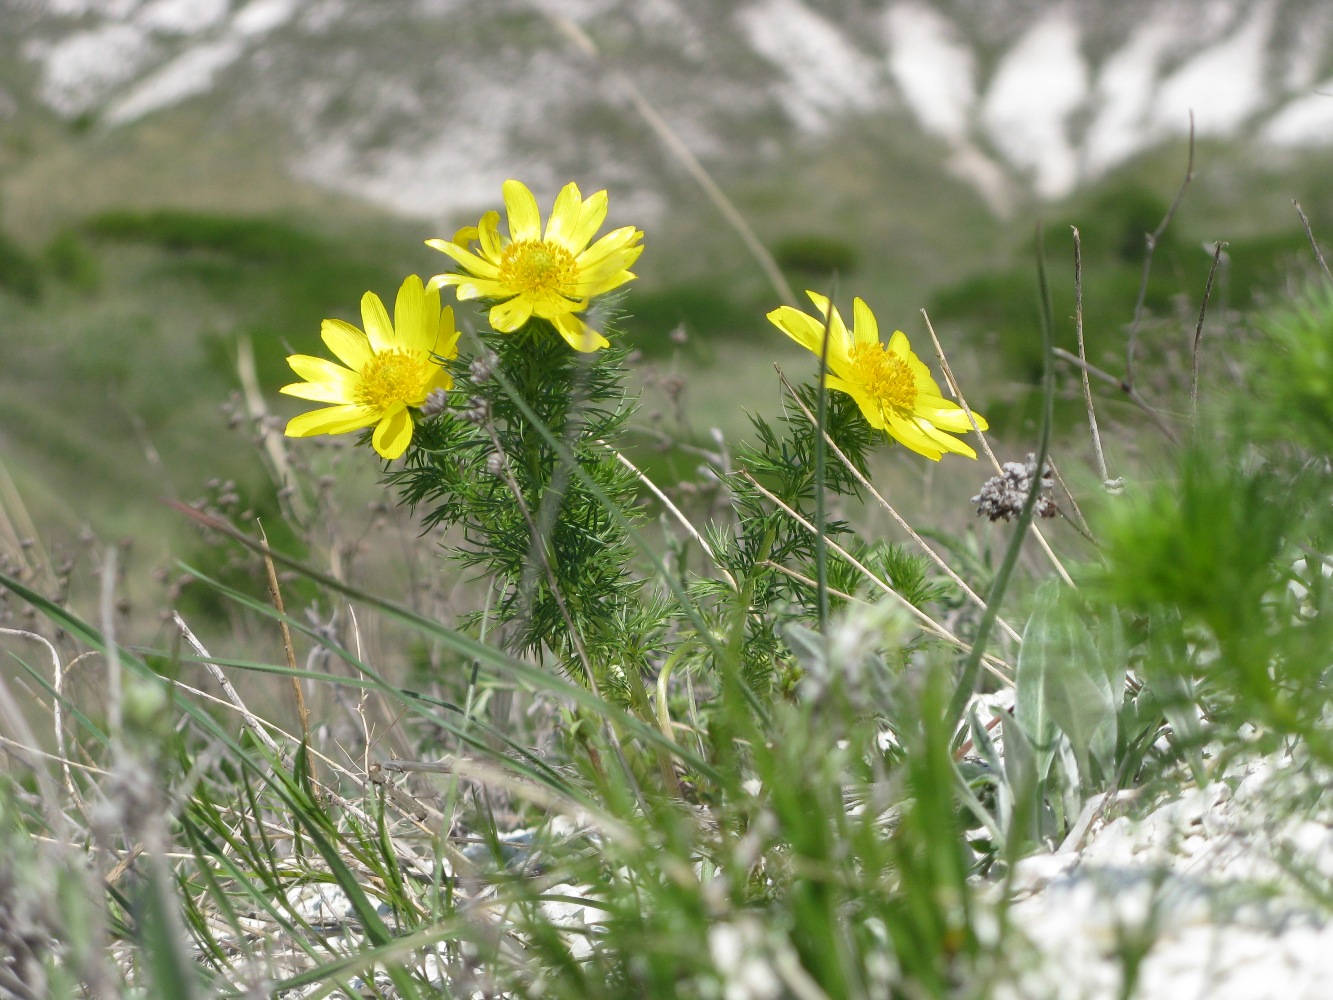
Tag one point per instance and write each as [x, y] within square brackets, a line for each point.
[423, 106]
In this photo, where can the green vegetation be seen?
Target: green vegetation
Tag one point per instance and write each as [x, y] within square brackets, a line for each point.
[19, 273]
[585, 728]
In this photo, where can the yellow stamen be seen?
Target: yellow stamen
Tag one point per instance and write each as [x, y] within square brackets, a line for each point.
[886, 377]
[538, 266]
[392, 377]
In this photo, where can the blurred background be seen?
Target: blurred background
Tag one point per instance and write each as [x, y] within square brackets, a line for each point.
[187, 187]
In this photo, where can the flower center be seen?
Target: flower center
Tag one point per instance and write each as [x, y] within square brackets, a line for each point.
[886, 377]
[392, 377]
[537, 267]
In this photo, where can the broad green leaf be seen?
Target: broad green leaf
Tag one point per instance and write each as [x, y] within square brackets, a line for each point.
[1062, 685]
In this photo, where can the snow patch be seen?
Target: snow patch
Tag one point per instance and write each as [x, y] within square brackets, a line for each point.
[1223, 85]
[825, 74]
[79, 71]
[1306, 55]
[1038, 84]
[933, 70]
[1306, 121]
[115, 9]
[259, 17]
[987, 177]
[1124, 95]
[446, 175]
[321, 15]
[579, 11]
[190, 73]
[182, 17]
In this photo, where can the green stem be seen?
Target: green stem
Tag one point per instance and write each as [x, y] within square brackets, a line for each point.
[967, 682]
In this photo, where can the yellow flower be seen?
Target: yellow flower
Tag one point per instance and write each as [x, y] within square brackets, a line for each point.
[890, 384]
[390, 367]
[551, 276]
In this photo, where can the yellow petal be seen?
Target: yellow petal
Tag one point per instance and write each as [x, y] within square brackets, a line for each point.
[465, 259]
[865, 327]
[955, 420]
[942, 440]
[525, 221]
[318, 392]
[488, 235]
[348, 344]
[591, 216]
[800, 327]
[324, 381]
[416, 316]
[870, 409]
[907, 432]
[331, 420]
[440, 380]
[949, 416]
[393, 432]
[841, 339]
[565, 214]
[375, 319]
[821, 302]
[446, 335]
[550, 304]
[480, 288]
[596, 284]
[616, 240]
[578, 334]
[509, 316]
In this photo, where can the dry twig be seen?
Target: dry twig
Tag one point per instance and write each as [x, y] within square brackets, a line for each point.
[275, 593]
[1152, 239]
[1122, 384]
[902, 522]
[1083, 353]
[930, 624]
[676, 146]
[985, 444]
[1314, 244]
[1198, 332]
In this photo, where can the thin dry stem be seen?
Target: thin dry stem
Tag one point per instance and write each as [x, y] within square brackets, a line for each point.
[1081, 525]
[1314, 244]
[13, 719]
[275, 594]
[1131, 344]
[930, 624]
[408, 814]
[676, 146]
[543, 557]
[1083, 353]
[293, 503]
[20, 533]
[996, 665]
[1122, 385]
[57, 714]
[1198, 333]
[67, 762]
[361, 697]
[107, 608]
[902, 522]
[252, 721]
[676, 513]
[985, 444]
[520, 788]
